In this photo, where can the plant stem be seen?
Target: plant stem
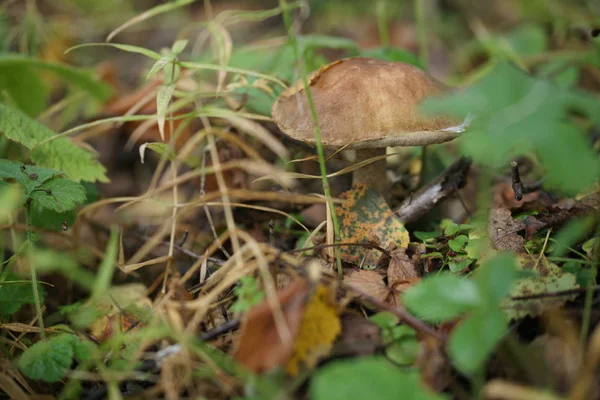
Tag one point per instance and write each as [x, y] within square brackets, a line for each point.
[422, 32]
[382, 23]
[34, 280]
[589, 297]
[317, 130]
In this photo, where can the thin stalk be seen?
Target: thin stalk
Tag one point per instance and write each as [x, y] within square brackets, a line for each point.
[317, 130]
[422, 32]
[589, 297]
[382, 24]
[34, 280]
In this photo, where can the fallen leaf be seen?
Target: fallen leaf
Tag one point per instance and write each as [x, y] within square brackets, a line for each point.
[550, 278]
[260, 347]
[502, 230]
[552, 217]
[366, 217]
[401, 268]
[433, 364]
[359, 336]
[319, 328]
[369, 282]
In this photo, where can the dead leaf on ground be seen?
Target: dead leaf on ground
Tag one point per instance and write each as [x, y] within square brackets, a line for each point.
[504, 196]
[359, 336]
[551, 217]
[373, 284]
[550, 279]
[401, 268]
[366, 217]
[260, 347]
[312, 320]
[503, 231]
[369, 282]
[433, 364]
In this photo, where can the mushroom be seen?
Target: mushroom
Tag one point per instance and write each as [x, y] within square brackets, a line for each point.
[365, 104]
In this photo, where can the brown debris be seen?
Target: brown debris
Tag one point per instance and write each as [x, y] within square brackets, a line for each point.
[503, 231]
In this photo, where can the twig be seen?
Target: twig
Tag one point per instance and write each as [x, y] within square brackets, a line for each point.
[404, 316]
[447, 183]
[519, 188]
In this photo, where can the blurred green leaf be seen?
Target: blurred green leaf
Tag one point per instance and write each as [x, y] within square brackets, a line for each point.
[48, 360]
[60, 154]
[516, 114]
[442, 297]
[393, 54]
[367, 378]
[570, 234]
[458, 242]
[496, 277]
[473, 340]
[15, 292]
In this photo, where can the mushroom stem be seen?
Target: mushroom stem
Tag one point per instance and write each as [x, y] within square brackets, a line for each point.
[373, 175]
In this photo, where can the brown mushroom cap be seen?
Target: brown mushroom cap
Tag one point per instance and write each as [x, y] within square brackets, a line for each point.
[364, 103]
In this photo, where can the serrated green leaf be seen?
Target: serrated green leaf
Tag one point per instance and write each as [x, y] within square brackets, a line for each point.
[442, 297]
[367, 378]
[59, 194]
[163, 97]
[474, 339]
[15, 292]
[60, 154]
[48, 360]
[29, 176]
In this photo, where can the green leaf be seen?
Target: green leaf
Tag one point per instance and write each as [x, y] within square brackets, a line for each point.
[15, 292]
[367, 378]
[48, 360]
[58, 194]
[60, 154]
[11, 198]
[474, 339]
[179, 46]
[442, 297]
[549, 279]
[450, 228]
[496, 277]
[458, 242]
[248, 294]
[516, 114]
[158, 65]
[125, 47]
[19, 75]
[426, 236]
[459, 264]
[570, 234]
[107, 268]
[163, 97]
[29, 176]
[393, 54]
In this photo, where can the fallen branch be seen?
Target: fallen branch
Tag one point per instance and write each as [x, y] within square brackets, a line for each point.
[447, 183]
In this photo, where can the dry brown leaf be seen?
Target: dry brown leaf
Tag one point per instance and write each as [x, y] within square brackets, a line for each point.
[401, 267]
[502, 230]
[359, 336]
[369, 282]
[432, 361]
[260, 348]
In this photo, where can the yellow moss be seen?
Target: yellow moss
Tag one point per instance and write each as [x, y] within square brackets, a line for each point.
[319, 327]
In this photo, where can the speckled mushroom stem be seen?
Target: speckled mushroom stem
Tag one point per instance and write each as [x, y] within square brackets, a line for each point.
[372, 174]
